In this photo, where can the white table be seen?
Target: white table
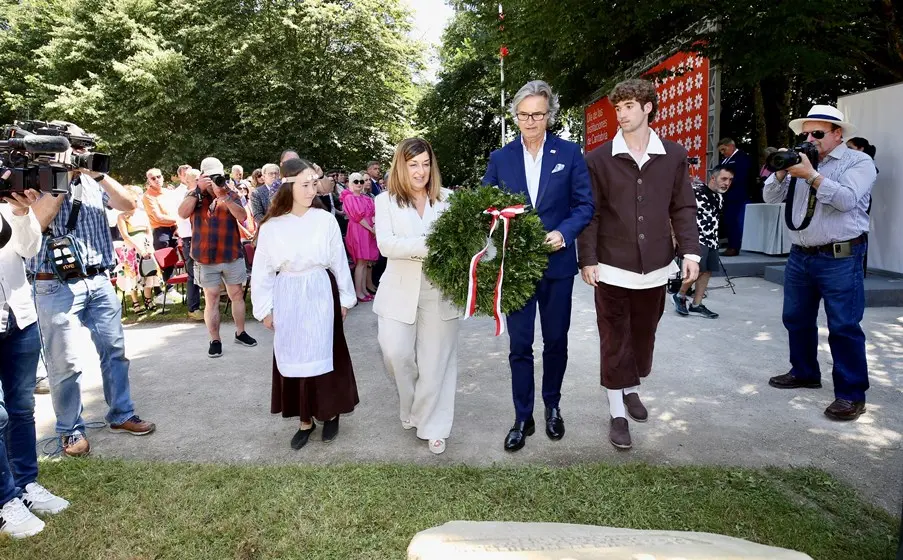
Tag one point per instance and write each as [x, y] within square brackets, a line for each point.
[764, 230]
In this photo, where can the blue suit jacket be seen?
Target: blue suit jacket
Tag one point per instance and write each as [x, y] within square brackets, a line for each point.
[564, 200]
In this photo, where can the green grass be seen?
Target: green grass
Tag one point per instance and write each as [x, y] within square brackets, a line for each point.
[177, 313]
[143, 510]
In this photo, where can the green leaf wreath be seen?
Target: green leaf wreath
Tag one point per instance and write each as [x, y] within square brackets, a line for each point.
[461, 232]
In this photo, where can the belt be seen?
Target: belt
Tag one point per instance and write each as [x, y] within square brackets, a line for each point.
[829, 247]
[90, 271]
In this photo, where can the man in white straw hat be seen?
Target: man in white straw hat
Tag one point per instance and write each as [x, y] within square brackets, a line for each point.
[828, 223]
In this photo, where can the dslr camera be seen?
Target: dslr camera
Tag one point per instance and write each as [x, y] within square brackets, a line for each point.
[780, 161]
[39, 155]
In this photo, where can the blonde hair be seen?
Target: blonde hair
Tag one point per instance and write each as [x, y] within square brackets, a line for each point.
[399, 184]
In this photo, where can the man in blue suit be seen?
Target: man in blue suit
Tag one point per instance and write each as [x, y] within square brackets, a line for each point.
[552, 174]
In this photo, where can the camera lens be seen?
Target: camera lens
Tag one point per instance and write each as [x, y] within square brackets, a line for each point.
[218, 180]
[780, 161]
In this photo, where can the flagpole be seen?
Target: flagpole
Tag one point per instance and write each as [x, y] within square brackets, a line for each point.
[502, 72]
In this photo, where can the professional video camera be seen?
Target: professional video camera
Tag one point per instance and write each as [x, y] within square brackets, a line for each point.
[38, 155]
[780, 161]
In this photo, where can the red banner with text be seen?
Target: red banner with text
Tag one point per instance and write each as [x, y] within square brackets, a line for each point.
[683, 107]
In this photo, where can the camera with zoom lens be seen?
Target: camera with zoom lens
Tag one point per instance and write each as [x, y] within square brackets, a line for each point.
[38, 155]
[218, 180]
[780, 161]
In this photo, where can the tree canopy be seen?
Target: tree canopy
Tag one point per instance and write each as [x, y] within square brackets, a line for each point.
[776, 58]
[163, 82]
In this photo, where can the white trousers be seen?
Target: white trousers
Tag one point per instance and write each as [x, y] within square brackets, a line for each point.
[423, 359]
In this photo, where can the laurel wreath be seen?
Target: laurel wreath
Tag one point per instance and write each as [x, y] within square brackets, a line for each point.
[461, 232]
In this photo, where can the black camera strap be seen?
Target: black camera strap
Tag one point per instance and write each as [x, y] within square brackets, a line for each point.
[788, 207]
[76, 187]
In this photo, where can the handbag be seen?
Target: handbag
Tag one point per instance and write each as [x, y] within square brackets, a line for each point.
[147, 267]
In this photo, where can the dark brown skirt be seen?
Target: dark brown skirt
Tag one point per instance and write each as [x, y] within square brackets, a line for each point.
[324, 396]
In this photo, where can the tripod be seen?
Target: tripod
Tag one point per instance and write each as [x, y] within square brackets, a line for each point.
[730, 281]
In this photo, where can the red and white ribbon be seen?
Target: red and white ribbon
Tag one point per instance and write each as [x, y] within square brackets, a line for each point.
[504, 215]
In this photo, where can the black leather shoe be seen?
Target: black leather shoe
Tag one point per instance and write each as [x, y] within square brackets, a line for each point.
[330, 429]
[844, 410]
[517, 436]
[554, 423]
[301, 436]
[788, 381]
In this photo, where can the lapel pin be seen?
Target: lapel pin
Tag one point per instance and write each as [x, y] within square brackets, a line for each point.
[551, 151]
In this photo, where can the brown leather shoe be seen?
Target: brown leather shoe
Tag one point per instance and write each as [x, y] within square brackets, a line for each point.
[635, 408]
[844, 410]
[730, 253]
[76, 445]
[619, 433]
[788, 381]
[135, 426]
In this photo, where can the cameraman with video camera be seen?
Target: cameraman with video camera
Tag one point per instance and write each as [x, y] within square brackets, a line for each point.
[828, 222]
[72, 288]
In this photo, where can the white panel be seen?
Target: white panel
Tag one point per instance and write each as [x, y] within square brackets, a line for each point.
[878, 116]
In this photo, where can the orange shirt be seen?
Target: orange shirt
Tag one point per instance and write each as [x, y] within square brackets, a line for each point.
[155, 212]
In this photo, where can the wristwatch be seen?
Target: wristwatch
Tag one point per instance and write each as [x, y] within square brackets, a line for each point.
[811, 180]
[100, 177]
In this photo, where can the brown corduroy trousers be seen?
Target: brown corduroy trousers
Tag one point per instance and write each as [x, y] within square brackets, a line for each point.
[627, 322]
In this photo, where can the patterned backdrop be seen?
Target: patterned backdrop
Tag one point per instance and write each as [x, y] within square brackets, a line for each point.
[683, 103]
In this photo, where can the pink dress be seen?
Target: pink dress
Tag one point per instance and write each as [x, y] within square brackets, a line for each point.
[361, 244]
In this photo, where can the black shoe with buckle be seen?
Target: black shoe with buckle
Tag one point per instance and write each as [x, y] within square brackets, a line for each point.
[788, 381]
[517, 436]
[554, 423]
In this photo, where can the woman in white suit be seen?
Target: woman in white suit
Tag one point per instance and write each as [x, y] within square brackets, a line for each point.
[418, 328]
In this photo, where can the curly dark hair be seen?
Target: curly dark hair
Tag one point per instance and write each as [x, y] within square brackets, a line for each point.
[641, 91]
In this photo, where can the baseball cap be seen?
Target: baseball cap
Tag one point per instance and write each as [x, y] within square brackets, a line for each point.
[212, 166]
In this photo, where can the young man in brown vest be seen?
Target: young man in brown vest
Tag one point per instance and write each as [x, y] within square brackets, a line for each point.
[640, 184]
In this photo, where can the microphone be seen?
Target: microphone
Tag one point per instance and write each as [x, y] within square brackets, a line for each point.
[36, 143]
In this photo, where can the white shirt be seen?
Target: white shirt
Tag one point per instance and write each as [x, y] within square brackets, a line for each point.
[300, 295]
[625, 278]
[173, 199]
[14, 288]
[533, 169]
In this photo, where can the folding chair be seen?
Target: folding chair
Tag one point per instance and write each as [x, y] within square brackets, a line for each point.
[168, 257]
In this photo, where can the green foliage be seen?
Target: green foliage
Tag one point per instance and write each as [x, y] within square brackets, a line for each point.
[168, 81]
[461, 232]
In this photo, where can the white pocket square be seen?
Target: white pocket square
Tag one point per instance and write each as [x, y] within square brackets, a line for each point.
[558, 168]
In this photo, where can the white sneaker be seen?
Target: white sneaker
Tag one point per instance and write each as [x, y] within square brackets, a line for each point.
[17, 522]
[437, 446]
[39, 500]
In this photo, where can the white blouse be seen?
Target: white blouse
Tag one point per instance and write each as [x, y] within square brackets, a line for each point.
[299, 250]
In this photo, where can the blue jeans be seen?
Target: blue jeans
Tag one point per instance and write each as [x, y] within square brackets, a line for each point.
[192, 290]
[19, 353]
[62, 308]
[807, 280]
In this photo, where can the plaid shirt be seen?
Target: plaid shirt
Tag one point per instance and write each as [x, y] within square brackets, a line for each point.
[92, 231]
[215, 238]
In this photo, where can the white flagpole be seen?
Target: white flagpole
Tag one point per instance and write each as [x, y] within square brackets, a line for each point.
[502, 73]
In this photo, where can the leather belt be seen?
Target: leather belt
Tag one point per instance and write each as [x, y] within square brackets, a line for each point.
[90, 271]
[829, 248]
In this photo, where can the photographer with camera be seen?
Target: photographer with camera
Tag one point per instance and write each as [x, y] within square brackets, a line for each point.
[826, 259]
[215, 212]
[73, 289]
[20, 348]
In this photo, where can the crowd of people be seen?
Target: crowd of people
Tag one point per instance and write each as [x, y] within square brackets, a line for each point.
[624, 216]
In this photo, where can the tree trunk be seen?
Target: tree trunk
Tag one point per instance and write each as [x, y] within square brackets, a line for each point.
[760, 126]
[895, 35]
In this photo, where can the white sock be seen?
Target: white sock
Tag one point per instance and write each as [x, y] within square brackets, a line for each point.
[634, 389]
[616, 403]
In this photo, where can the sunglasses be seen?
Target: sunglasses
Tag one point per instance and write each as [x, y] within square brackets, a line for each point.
[358, 182]
[817, 134]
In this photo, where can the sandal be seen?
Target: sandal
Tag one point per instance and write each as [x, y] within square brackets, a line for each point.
[136, 308]
[149, 304]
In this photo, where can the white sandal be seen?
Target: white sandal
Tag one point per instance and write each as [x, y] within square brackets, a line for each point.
[437, 446]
